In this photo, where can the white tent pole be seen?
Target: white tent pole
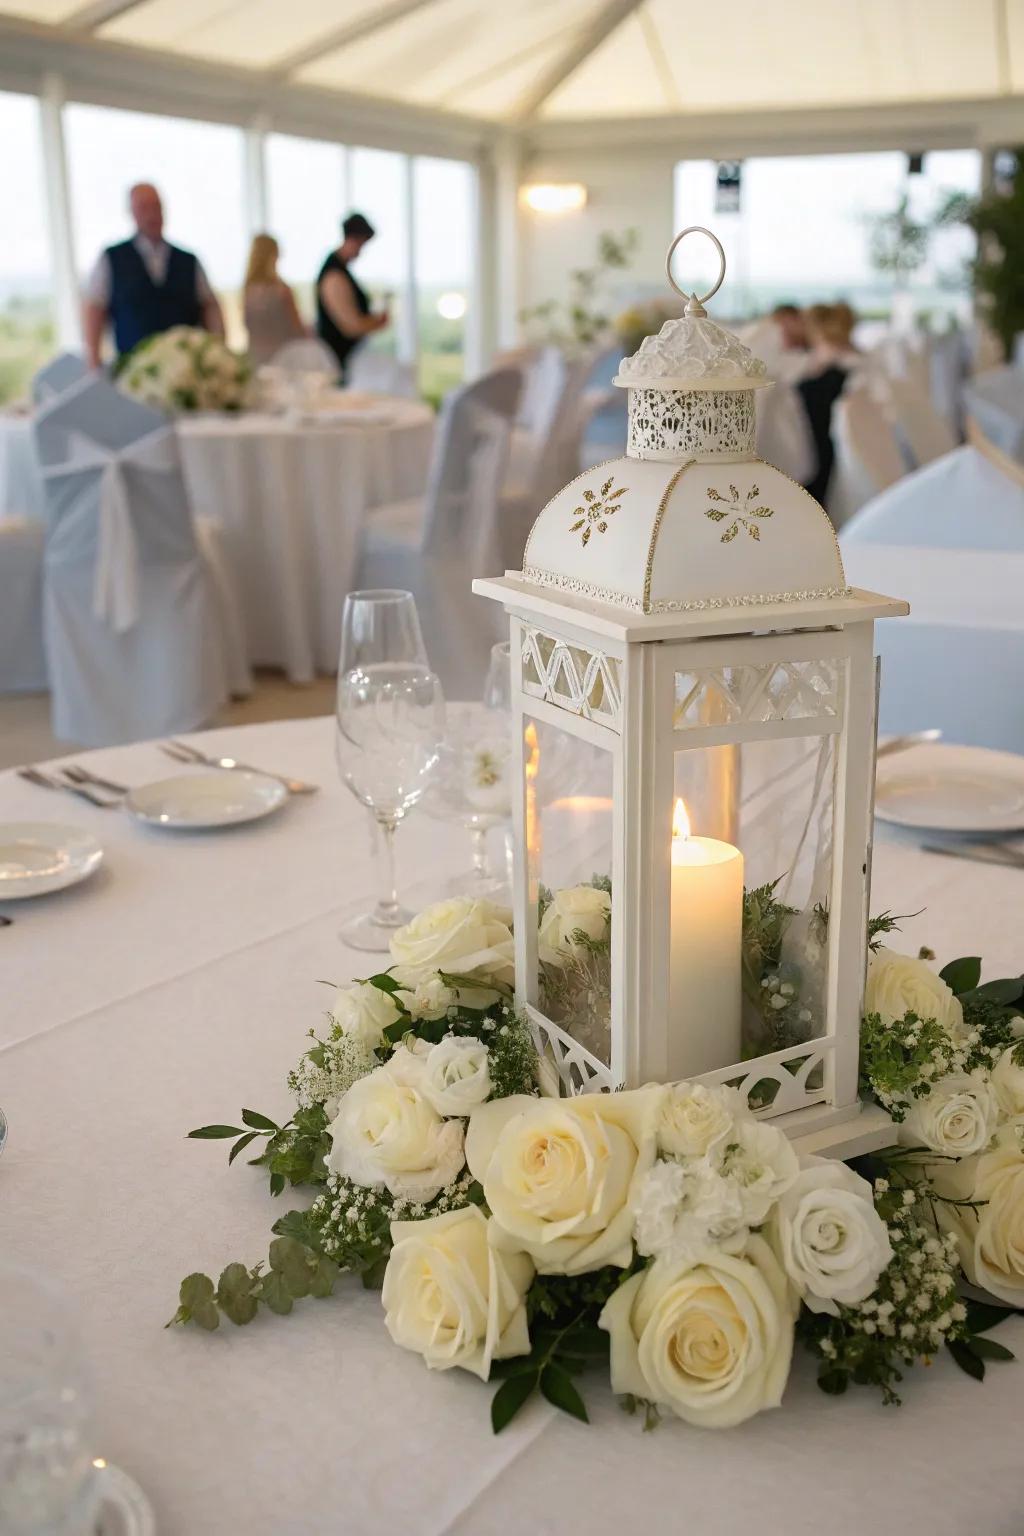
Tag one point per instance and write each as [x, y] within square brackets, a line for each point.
[408, 331]
[257, 209]
[58, 210]
[477, 345]
[507, 254]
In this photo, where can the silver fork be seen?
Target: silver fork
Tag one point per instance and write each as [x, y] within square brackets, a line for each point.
[183, 752]
[33, 776]
[80, 775]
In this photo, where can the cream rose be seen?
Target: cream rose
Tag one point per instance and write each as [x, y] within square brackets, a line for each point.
[957, 1117]
[451, 1297]
[560, 1176]
[455, 1075]
[710, 1340]
[469, 938]
[990, 1238]
[364, 1011]
[578, 907]
[387, 1132]
[899, 984]
[830, 1240]
[696, 1118]
[1008, 1082]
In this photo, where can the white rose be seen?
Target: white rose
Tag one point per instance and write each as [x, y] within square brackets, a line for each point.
[456, 1079]
[453, 1298]
[696, 1118]
[462, 936]
[578, 907]
[1008, 1082]
[990, 1239]
[899, 984]
[831, 1241]
[430, 999]
[560, 1176]
[957, 1117]
[712, 1341]
[759, 1160]
[364, 1011]
[387, 1132]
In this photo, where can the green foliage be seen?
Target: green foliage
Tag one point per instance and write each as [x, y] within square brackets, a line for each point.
[898, 242]
[581, 321]
[292, 1272]
[997, 219]
[294, 1153]
[512, 1058]
[898, 1059]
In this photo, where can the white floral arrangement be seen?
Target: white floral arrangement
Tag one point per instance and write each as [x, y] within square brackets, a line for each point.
[665, 1234]
[185, 369]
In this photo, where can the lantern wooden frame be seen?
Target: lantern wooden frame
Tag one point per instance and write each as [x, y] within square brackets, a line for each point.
[562, 646]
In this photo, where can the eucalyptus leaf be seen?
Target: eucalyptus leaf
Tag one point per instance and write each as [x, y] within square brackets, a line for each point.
[206, 1315]
[275, 1293]
[194, 1290]
[235, 1294]
[322, 1280]
[510, 1397]
[962, 975]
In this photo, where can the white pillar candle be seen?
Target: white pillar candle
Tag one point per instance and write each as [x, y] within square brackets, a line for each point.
[706, 958]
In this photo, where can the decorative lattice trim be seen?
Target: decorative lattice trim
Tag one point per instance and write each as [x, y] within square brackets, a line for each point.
[580, 588]
[700, 423]
[571, 677]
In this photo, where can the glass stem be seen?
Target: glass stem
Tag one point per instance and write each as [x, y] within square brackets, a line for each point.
[481, 861]
[387, 907]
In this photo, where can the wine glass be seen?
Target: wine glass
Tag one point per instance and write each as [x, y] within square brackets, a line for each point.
[48, 1485]
[390, 729]
[380, 625]
[473, 785]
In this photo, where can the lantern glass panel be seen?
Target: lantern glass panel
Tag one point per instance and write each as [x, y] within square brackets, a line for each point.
[568, 822]
[759, 918]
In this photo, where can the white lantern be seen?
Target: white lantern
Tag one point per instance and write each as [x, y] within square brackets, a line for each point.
[695, 701]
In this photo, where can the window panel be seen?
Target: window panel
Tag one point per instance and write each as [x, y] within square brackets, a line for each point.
[27, 310]
[445, 194]
[306, 203]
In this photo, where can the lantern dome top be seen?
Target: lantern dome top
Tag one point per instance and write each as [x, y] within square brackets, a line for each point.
[659, 537]
[691, 352]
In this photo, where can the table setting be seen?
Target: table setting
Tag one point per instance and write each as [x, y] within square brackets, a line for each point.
[702, 1115]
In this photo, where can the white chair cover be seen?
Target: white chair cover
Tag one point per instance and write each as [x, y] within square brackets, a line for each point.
[947, 369]
[379, 374]
[545, 453]
[950, 539]
[867, 455]
[783, 432]
[927, 435]
[436, 546]
[995, 400]
[58, 374]
[22, 661]
[134, 637]
[307, 354]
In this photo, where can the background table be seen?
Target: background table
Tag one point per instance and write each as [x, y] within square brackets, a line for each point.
[292, 495]
[176, 987]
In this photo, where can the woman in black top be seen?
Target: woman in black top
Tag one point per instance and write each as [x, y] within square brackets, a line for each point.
[829, 328]
[343, 315]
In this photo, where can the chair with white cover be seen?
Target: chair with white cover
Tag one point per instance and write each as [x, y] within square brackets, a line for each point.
[784, 433]
[995, 402]
[947, 373]
[22, 659]
[925, 432]
[378, 373]
[433, 546]
[306, 354]
[58, 375]
[950, 539]
[868, 458]
[545, 450]
[139, 639]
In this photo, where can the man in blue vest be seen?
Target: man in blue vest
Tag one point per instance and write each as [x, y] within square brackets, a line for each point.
[145, 285]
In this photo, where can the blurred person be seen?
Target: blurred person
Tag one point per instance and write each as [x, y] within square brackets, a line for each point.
[144, 285]
[791, 324]
[343, 315]
[271, 315]
[831, 359]
[780, 340]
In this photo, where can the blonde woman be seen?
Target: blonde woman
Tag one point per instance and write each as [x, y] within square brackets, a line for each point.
[271, 315]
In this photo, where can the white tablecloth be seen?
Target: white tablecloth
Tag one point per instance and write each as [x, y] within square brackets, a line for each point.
[293, 497]
[176, 987]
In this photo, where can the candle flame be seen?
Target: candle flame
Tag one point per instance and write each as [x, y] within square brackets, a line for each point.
[532, 765]
[680, 821]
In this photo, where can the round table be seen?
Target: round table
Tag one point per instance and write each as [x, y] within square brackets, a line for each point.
[292, 493]
[177, 986]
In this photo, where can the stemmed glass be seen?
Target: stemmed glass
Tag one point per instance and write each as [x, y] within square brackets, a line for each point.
[472, 785]
[48, 1485]
[390, 727]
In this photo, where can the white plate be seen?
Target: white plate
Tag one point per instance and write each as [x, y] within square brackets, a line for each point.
[41, 856]
[219, 797]
[951, 789]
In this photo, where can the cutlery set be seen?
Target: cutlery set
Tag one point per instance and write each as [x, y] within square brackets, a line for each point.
[108, 794]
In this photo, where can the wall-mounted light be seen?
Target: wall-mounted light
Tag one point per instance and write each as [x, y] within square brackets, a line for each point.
[554, 197]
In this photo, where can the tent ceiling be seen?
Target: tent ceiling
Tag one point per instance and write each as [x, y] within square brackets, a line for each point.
[581, 60]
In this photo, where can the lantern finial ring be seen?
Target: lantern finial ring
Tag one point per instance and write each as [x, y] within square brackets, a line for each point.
[695, 306]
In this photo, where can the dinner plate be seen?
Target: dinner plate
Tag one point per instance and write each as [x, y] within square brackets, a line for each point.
[41, 856]
[951, 789]
[220, 797]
